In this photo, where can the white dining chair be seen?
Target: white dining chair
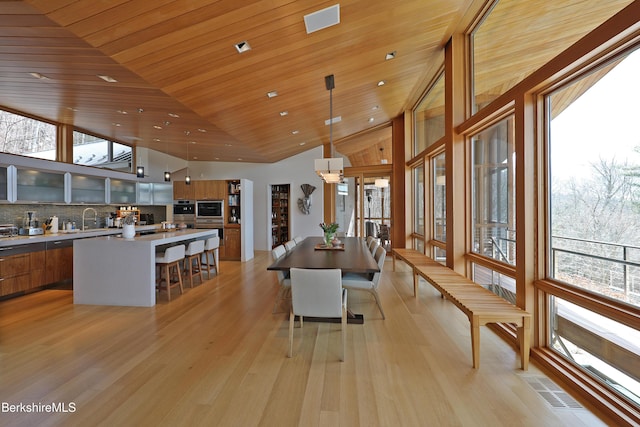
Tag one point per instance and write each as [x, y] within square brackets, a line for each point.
[298, 239]
[284, 294]
[373, 245]
[317, 293]
[359, 282]
[288, 246]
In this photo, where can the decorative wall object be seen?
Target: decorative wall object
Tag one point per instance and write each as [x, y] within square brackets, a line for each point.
[304, 204]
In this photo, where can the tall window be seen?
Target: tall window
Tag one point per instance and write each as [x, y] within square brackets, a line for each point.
[418, 207]
[493, 182]
[536, 32]
[91, 150]
[27, 137]
[594, 199]
[439, 198]
[429, 117]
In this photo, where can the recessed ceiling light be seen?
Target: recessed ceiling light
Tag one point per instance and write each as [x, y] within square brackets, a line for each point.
[390, 55]
[295, 132]
[371, 119]
[243, 46]
[140, 110]
[195, 157]
[187, 132]
[167, 122]
[240, 158]
[121, 112]
[72, 109]
[216, 158]
[227, 145]
[39, 76]
[157, 127]
[302, 143]
[381, 83]
[156, 139]
[107, 79]
[192, 142]
[202, 130]
[174, 115]
[284, 113]
[116, 124]
[375, 107]
[272, 94]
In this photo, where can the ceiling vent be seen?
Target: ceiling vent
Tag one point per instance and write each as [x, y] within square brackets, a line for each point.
[322, 19]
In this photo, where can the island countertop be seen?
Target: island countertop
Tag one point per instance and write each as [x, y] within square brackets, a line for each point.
[68, 235]
[112, 270]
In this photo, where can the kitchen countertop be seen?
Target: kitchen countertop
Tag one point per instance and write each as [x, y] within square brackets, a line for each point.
[66, 235]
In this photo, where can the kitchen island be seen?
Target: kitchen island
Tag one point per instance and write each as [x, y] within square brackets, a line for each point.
[112, 270]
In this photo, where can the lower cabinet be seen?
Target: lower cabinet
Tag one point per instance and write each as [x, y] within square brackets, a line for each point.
[232, 243]
[21, 268]
[59, 261]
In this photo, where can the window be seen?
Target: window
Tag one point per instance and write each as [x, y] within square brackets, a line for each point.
[429, 117]
[27, 137]
[499, 65]
[418, 213]
[439, 198]
[91, 150]
[594, 182]
[493, 184]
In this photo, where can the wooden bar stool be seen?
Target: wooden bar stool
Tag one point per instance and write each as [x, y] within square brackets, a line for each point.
[192, 263]
[167, 261]
[211, 247]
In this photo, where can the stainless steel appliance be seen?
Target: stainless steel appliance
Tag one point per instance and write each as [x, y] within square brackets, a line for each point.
[8, 230]
[210, 209]
[31, 225]
[184, 212]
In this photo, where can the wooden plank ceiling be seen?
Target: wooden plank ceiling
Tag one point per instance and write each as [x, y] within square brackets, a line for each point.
[179, 58]
[180, 82]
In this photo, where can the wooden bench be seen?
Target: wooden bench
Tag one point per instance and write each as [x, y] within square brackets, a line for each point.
[480, 305]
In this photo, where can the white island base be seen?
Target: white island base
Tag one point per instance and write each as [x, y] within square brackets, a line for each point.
[113, 270]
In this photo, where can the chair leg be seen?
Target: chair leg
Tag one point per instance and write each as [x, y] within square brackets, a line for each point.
[199, 265]
[167, 280]
[177, 266]
[343, 332]
[291, 320]
[377, 297]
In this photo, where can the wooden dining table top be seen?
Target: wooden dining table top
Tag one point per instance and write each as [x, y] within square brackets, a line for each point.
[355, 258]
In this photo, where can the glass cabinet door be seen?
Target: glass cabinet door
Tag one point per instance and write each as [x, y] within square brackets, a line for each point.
[123, 191]
[38, 186]
[86, 189]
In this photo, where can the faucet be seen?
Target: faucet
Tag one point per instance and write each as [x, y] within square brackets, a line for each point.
[95, 217]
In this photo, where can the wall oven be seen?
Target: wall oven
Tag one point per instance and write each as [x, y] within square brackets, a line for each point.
[184, 211]
[210, 214]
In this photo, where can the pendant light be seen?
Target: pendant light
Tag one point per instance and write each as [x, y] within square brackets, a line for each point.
[167, 174]
[187, 179]
[331, 169]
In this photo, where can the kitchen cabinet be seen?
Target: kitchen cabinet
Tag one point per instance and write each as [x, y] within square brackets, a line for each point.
[122, 191]
[4, 189]
[88, 189]
[232, 243]
[209, 189]
[59, 260]
[40, 186]
[21, 268]
[182, 191]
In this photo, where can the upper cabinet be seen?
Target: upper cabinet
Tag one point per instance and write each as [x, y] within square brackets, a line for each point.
[123, 192]
[209, 190]
[182, 191]
[40, 186]
[88, 189]
[4, 195]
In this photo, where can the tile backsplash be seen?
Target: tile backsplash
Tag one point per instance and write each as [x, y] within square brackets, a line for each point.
[15, 213]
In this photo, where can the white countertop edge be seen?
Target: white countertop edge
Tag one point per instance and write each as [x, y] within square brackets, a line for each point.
[50, 237]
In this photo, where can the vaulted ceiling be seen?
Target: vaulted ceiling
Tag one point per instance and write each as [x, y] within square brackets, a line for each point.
[178, 58]
[179, 85]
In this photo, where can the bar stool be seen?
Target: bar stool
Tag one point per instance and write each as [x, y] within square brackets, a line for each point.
[211, 246]
[166, 261]
[193, 253]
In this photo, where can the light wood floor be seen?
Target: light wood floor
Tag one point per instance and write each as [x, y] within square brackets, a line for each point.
[216, 356]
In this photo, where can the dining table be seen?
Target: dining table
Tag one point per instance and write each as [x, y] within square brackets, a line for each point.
[352, 256]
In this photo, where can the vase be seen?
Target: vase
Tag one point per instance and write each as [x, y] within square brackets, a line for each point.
[328, 237]
[128, 231]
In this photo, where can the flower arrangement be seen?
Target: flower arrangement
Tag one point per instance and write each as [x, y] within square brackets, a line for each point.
[329, 228]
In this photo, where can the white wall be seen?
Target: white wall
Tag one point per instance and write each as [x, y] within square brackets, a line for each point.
[296, 170]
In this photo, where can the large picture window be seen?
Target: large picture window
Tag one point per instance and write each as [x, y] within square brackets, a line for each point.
[429, 117]
[594, 220]
[27, 137]
[91, 150]
[493, 187]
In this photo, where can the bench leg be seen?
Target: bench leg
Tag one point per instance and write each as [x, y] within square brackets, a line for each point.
[475, 341]
[525, 342]
[416, 282]
[393, 258]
